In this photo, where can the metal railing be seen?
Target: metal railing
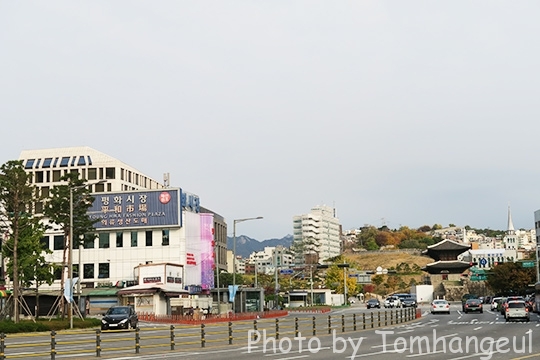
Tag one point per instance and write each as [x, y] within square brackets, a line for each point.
[184, 337]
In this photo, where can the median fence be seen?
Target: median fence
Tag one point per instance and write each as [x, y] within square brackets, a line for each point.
[184, 337]
[213, 318]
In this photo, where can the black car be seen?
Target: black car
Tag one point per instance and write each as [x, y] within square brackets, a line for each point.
[408, 302]
[120, 317]
[373, 303]
[473, 305]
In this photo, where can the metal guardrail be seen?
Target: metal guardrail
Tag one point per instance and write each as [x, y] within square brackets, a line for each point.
[176, 337]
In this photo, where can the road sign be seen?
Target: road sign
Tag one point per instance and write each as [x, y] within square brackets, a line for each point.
[286, 271]
[528, 264]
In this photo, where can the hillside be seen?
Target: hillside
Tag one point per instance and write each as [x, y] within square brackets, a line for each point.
[386, 259]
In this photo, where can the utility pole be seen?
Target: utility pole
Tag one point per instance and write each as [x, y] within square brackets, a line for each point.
[311, 281]
[344, 284]
[277, 282]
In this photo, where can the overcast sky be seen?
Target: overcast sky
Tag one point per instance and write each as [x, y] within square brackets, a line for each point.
[395, 112]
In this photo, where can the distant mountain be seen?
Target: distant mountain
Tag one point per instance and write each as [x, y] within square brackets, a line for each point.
[246, 245]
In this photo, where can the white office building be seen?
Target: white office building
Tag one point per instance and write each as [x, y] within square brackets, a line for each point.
[320, 231]
[265, 261]
[140, 222]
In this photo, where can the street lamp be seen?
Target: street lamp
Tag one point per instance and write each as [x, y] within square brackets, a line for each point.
[70, 256]
[236, 221]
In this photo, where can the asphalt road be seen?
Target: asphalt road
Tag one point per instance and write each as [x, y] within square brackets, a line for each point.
[456, 336]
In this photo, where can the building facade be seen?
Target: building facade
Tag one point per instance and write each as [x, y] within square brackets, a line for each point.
[317, 233]
[266, 261]
[139, 222]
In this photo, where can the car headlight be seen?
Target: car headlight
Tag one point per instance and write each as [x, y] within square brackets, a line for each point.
[123, 321]
[103, 321]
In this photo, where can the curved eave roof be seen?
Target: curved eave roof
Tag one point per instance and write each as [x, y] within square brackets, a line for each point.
[447, 244]
[453, 267]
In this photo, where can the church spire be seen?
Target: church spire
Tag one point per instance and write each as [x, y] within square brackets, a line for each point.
[510, 230]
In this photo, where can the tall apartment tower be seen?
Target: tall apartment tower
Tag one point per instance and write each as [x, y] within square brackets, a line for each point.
[319, 232]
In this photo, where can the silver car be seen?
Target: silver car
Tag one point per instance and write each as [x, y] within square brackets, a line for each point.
[517, 310]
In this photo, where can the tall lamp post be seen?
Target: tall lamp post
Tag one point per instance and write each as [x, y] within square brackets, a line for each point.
[70, 253]
[236, 221]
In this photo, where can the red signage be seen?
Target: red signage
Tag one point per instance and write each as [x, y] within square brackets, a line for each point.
[190, 259]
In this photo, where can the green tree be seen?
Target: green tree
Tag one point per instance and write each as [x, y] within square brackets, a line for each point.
[334, 281]
[57, 208]
[510, 278]
[367, 235]
[33, 268]
[16, 196]
[377, 279]
[226, 279]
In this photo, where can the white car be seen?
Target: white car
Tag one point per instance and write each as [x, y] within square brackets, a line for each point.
[440, 306]
[392, 302]
[495, 303]
[517, 310]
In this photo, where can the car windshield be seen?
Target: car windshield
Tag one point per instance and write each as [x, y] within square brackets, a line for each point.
[516, 305]
[439, 302]
[117, 311]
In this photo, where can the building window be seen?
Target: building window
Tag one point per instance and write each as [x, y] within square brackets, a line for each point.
[89, 160]
[92, 174]
[81, 161]
[134, 241]
[119, 239]
[47, 162]
[110, 173]
[104, 240]
[38, 207]
[56, 174]
[88, 271]
[103, 271]
[75, 270]
[44, 241]
[29, 163]
[58, 242]
[165, 237]
[149, 238]
[89, 241]
[39, 177]
[57, 272]
[55, 162]
[64, 162]
[100, 187]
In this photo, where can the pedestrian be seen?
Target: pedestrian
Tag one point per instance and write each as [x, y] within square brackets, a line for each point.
[87, 306]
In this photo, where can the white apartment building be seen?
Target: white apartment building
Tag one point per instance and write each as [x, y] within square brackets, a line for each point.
[320, 229]
[140, 222]
[265, 261]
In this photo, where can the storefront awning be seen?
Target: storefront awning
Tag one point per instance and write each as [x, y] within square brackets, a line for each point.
[103, 292]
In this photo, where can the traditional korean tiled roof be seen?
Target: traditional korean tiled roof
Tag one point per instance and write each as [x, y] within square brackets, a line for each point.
[452, 267]
[447, 244]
